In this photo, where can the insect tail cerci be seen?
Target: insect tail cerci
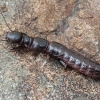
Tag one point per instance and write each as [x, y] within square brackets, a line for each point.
[57, 50]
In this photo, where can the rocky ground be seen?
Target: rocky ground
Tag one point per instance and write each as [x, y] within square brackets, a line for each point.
[27, 76]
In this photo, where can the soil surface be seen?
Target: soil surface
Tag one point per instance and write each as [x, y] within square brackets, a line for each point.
[25, 75]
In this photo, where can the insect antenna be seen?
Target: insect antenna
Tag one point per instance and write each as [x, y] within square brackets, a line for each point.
[5, 21]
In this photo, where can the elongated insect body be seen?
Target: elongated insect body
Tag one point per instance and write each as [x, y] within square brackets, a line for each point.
[57, 50]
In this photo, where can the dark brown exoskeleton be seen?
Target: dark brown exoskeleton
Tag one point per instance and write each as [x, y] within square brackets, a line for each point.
[59, 51]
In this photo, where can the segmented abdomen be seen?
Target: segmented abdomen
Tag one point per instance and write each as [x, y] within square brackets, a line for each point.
[76, 61]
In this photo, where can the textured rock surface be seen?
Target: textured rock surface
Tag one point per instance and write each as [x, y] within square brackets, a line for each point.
[26, 76]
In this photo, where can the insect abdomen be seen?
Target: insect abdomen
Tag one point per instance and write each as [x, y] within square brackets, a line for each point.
[76, 61]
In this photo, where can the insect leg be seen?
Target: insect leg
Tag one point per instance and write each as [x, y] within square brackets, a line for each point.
[63, 63]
